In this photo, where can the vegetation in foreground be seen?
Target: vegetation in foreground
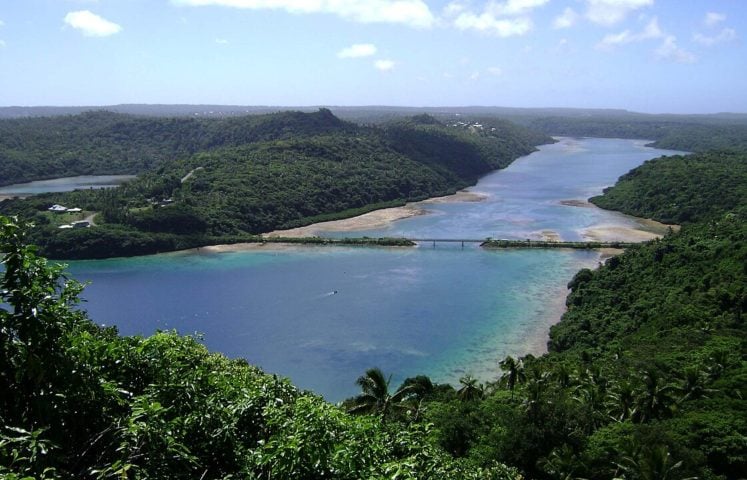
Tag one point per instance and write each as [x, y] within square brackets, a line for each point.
[79, 401]
[646, 378]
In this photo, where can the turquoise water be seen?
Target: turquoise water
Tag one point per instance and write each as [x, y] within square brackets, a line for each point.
[65, 184]
[323, 315]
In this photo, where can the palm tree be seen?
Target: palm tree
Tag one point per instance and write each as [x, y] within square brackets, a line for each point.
[654, 398]
[471, 390]
[375, 397]
[562, 463]
[621, 401]
[513, 373]
[693, 384]
[654, 463]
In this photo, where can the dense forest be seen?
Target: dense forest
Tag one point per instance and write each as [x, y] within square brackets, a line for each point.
[690, 134]
[646, 379]
[681, 189]
[647, 372]
[256, 174]
[100, 142]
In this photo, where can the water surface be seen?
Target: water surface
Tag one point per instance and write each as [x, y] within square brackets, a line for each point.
[323, 315]
[65, 184]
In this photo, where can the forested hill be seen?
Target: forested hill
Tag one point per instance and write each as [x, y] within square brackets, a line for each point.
[681, 189]
[255, 175]
[647, 372]
[686, 133]
[98, 143]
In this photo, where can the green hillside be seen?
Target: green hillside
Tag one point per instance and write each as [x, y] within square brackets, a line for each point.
[97, 143]
[273, 172]
[681, 189]
[647, 371]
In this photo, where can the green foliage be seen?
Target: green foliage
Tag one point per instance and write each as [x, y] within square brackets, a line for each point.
[256, 174]
[686, 133]
[96, 143]
[647, 371]
[79, 401]
[681, 189]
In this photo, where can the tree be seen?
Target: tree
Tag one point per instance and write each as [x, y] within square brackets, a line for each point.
[654, 399]
[471, 390]
[375, 397]
[513, 373]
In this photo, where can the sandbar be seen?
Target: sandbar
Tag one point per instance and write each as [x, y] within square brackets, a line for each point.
[577, 203]
[646, 230]
[376, 219]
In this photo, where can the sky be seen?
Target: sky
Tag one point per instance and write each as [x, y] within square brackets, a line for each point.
[654, 56]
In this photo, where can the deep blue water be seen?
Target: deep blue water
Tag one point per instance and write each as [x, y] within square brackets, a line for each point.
[323, 315]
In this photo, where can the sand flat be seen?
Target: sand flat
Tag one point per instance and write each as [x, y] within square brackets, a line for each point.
[377, 218]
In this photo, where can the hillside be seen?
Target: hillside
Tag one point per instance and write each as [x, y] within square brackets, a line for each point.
[100, 142]
[690, 133]
[646, 375]
[273, 172]
[681, 189]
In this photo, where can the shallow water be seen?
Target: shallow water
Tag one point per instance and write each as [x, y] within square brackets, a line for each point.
[65, 184]
[323, 315]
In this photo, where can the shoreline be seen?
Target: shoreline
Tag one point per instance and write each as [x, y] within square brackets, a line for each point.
[376, 218]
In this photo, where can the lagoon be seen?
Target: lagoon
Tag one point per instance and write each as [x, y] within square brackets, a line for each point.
[64, 184]
[323, 315]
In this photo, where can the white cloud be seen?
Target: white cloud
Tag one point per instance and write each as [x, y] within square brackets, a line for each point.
[495, 71]
[650, 32]
[488, 23]
[91, 24]
[567, 19]
[384, 65]
[712, 19]
[610, 12]
[221, 41]
[357, 50]
[2, 43]
[669, 50]
[726, 35]
[475, 75]
[2, 23]
[414, 13]
[504, 19]
[513, 7]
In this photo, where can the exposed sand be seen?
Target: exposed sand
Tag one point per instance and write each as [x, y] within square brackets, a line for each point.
[462, 196]
[549, 236]
[577, 203]
[647, 229]
[377, 218]
[246, 247]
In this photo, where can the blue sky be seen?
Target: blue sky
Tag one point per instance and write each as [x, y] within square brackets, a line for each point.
[645, 55]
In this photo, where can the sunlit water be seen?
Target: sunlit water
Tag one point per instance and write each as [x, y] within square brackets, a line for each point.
[65, 184]
[323, 315]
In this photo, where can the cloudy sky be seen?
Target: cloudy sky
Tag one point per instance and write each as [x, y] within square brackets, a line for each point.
[681, 56]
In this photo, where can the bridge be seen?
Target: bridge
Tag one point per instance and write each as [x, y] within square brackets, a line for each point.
[488, 243]
[528, 243]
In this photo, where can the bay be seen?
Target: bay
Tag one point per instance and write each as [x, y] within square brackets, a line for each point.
[322, 315]
[64, 184]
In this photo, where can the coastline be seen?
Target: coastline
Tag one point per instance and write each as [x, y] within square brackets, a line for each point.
[377, 218]
[644, 230]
